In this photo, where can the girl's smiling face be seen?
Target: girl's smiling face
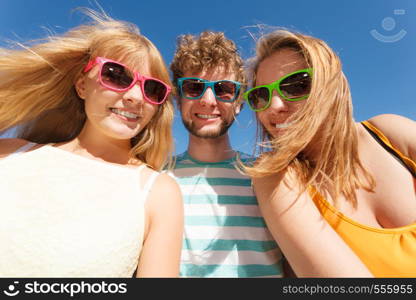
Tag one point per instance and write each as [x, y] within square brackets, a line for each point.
[282, 62]
[116, 115]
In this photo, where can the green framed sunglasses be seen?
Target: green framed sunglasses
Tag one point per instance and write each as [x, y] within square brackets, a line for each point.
[292, 87]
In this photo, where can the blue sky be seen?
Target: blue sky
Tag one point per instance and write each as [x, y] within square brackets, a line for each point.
[375, 39]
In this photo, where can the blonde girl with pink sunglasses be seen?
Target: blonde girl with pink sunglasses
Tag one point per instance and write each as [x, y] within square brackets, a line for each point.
[82, 195]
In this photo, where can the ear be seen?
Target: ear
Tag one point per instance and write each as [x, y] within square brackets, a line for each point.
[80, 87]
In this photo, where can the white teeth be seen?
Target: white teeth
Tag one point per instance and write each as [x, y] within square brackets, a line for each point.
[206, 116]
[125, 113]
[283, 125]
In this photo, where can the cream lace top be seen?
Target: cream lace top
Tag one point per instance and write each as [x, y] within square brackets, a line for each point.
[65, 215]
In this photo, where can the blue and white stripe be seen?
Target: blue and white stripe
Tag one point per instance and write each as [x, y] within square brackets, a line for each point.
[225, 234]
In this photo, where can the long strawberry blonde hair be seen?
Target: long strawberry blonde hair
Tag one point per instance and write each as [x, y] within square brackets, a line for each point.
[326, 120]
[37, 92]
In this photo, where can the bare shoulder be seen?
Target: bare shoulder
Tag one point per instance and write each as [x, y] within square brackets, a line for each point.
[166, 181]
[163, 187]
[277, 186]
[165, 198]
[10, 145]
[401, 131]
[163, 179]
[282, 181]
[390, 123]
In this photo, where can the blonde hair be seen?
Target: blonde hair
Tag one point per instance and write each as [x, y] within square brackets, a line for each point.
[204, 52]
[38, 95]
[325, 120]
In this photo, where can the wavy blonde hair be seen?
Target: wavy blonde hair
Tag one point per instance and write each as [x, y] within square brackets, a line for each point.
[37, 90]
[326, 120]
[204, 52]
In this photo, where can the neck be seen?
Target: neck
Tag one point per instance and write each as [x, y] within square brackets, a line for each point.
[210, 149]
[100, 147]
[312, 152]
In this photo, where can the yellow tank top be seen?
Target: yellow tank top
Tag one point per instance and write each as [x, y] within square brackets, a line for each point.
[387, 252]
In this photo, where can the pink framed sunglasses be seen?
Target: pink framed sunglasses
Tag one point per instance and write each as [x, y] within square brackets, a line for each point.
[119, 78]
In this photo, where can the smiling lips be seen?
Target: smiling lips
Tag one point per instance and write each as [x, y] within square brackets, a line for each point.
[283, 125]
[130, 116]
[207, 116]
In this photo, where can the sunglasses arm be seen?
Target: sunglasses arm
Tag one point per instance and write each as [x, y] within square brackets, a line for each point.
[91, 64]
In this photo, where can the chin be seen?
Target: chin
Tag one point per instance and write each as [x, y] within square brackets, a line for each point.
[274, 133]
[123, 134]
[122, 137]
[211, 132]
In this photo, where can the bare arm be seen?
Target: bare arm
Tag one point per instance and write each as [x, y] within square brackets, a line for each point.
[399, 130]
[163, 242]
[309, 243]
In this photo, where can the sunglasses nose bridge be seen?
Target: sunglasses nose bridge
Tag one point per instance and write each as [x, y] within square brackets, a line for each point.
[138, 79]
[135, 93]
[275, 91]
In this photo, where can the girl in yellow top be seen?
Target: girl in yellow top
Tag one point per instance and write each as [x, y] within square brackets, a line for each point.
[81, 192]
[324, 168]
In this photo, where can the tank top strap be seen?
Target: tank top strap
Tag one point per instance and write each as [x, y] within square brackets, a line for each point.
[149, 184]
[408, 163]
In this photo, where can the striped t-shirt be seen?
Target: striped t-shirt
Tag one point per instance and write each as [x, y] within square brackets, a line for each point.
[225, 235]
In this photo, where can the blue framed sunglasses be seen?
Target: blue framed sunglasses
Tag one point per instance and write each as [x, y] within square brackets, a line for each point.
[193, 88]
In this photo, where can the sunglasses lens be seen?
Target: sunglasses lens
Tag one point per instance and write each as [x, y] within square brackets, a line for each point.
[258, 98]
[225, 90]
[116, 76]
[296, 85]
[192, 88]
[155, 90]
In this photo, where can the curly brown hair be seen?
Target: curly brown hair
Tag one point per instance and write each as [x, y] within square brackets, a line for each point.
[204, 52]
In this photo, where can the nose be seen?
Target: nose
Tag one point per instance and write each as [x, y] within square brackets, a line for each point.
[134, 94]
[208, 98]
